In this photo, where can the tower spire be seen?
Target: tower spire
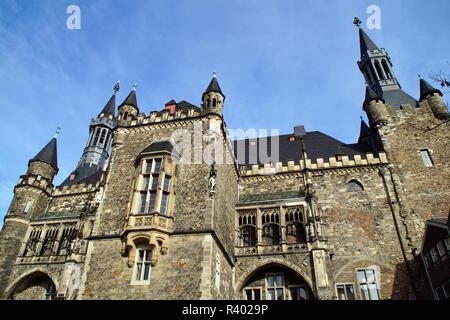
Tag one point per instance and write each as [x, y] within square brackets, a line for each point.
[48, 154]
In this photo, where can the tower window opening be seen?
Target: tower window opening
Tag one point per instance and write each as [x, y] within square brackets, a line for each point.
[102, 137]
[386, 69]
[125, 115]
[214, 103]
[97, 133]
[27, 207]
[379, 71]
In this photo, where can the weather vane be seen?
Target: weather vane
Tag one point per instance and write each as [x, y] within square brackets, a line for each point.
[214, 74]
[116, 87]
[357, 22]
[134, 86]
[58, 130]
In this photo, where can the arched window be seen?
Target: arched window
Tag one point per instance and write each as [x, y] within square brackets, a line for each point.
[379, 71]
[387, 70]
[295, 229]
[354, 186]
[271, 234]
[248, 236]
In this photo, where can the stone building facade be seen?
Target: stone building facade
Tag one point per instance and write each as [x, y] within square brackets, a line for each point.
[170, 205]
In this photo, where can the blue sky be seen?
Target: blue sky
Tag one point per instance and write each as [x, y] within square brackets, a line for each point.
[280, 63]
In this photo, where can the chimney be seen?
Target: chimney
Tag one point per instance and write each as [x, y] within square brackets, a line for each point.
[299, 131]
[171, 106]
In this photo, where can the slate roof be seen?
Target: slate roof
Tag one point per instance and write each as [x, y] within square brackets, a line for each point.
[371, 96]
[48, 154]
[130, 100]
[110, 107]
[317, 144]
[159, 146]
[427, 89]
[365, 43]
[213, 87]
[84, 174]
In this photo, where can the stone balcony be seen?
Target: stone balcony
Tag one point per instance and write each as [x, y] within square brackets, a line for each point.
[153, 221]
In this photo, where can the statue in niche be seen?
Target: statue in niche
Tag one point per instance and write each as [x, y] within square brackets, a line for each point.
[212, 182]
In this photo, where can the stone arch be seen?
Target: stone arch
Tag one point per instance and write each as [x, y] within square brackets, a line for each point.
[354, 186]
[274, 263]
[27, 278]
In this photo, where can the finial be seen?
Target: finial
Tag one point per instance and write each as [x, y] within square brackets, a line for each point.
[58, 130]
[357, 22]
[214, 74]
[419, 76]
[116, 87]
[134, 86]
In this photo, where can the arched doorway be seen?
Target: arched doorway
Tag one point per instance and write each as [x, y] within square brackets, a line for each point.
[34, 286]
[275, 282]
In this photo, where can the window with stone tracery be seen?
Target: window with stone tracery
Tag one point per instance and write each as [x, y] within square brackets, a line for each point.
[295, 228]
[153, 188]
[247, 229]
[271, 231]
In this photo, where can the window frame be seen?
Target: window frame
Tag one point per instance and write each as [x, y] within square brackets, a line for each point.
[253, 289]
[368, 283]
[426, 157]
[276, 287]
[141, 280]
[345, 284]
[289, 287]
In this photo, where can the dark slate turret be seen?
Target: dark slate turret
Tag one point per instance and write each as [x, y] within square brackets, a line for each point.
[377, 68]
[372, 96]
[427, 89]
[213, 87]
[110, 108]
[213, 98]
[130, 100]
[48, 154]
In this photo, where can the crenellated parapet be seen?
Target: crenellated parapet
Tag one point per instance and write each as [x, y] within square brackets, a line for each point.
[316, 164]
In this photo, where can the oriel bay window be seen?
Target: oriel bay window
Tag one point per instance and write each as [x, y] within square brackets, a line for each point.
[153, 188]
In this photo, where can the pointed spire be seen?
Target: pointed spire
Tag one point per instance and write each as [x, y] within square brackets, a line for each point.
[366, 44]
[171, 103]
[427, 89]
[371, 96]
[110, 107]
[213, 86]
[131, 99]
[48, 154]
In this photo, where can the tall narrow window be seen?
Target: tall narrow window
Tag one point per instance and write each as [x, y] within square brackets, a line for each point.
[379, 71]
[102, 137]
[214, 102]
[165, 195]
[367, 284]
[15, 204]
[218, 271]
[426, 158]
[345, 292]
[142, 266]
[149, 185]
[27, 207]
[50, 291]
[97, 133]
[386, 69]
[275, 287]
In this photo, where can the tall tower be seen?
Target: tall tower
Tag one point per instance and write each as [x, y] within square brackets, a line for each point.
[31, 196]
[377, 68]
[213, 99]
[97, 151]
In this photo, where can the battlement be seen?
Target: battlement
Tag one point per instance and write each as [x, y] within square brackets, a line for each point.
[76, 188]
[35, 181]
[165, 115]
[318, 164]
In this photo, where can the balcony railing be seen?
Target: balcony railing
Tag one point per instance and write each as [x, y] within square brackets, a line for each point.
[271, 249]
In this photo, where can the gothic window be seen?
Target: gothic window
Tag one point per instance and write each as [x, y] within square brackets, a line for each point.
[271, 228]
[96, 135]
[247, 229]
[32, 243]
[386, 69]
[67, 238]
[379, 71]
[275, 287]
[142, 266]
[354, 186]
[367, 284]
[426, 158]
[49, 242]
[345, 291]
[295, 229]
